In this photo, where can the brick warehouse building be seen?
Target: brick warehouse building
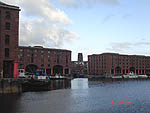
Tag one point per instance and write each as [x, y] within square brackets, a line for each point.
[9, 25]
[112, 63]
[52, 61]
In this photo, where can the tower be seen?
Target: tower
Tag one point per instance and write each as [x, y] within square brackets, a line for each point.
[80, 57]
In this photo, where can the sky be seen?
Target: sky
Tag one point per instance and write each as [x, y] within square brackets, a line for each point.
[86, 26]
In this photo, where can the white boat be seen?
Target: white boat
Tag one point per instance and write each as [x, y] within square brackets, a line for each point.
[142, 76]
[42, 77]
[132, 75]
[21, 73]
[126, 76]
[116, 77]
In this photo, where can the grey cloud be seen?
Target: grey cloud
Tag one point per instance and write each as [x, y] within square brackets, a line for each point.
[89, 3]
[38, 32]
[44, 9]
[142, 43]
[119, 47]
[128, 47]
[107, 18]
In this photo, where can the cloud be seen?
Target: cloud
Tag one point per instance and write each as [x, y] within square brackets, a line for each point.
[89, 3]
[129, 48]
[119, 46]
[39, 32]
[41, 24]
[44, 9]
[107, 18]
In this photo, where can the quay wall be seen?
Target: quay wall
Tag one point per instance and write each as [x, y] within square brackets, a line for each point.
[10, 85]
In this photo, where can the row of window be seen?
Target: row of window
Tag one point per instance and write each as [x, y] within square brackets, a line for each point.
[21, 50]
[7, 15]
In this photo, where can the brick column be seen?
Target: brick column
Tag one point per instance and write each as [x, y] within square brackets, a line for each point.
[15, 74]
[121, 71]
[51, 71]
[135, 71]
[114, 72]
[63, 71]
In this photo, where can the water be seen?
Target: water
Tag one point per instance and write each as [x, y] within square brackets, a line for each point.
[83, 97]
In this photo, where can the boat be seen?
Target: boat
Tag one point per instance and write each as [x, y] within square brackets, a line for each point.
[116, 77]
[132, 75]
[126, 76]
[142, 76]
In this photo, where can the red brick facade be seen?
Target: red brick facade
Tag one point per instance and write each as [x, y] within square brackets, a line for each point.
[9, 25]
[51, 60]
[111, 63]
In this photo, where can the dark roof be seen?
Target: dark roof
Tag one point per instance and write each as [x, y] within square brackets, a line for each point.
[40, 47]
[118, 54]
[4, 5]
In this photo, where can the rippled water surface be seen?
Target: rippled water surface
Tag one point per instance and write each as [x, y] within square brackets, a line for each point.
[83, 97]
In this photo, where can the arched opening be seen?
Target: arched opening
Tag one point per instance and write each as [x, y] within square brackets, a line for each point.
[147, 71]
[48, 71]
[132, 69]
[118, 70]
[58, 69]
[31, 68]
[67, 71]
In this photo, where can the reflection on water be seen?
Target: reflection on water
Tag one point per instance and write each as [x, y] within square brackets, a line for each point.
[60, 84]
[51, 85]
[79, 83]
[83, 97]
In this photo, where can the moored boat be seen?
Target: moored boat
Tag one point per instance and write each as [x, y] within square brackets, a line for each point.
[116, 77]
[132, 75]
[142, 76]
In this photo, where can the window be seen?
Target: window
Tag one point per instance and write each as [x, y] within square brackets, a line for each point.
[8, 15]
[7, 39]
[42, 65]
[66, 59]
[57, 58]
[7, 52]
[21, 50]
[7, 26]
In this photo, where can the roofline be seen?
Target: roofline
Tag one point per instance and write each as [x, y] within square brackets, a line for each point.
[9, 6]
[118, 54]
[33, 47]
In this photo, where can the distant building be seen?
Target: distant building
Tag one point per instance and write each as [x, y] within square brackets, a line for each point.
[80, 66]
[114, 64]
[80, 57]
[52, 61]
[9, 27]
